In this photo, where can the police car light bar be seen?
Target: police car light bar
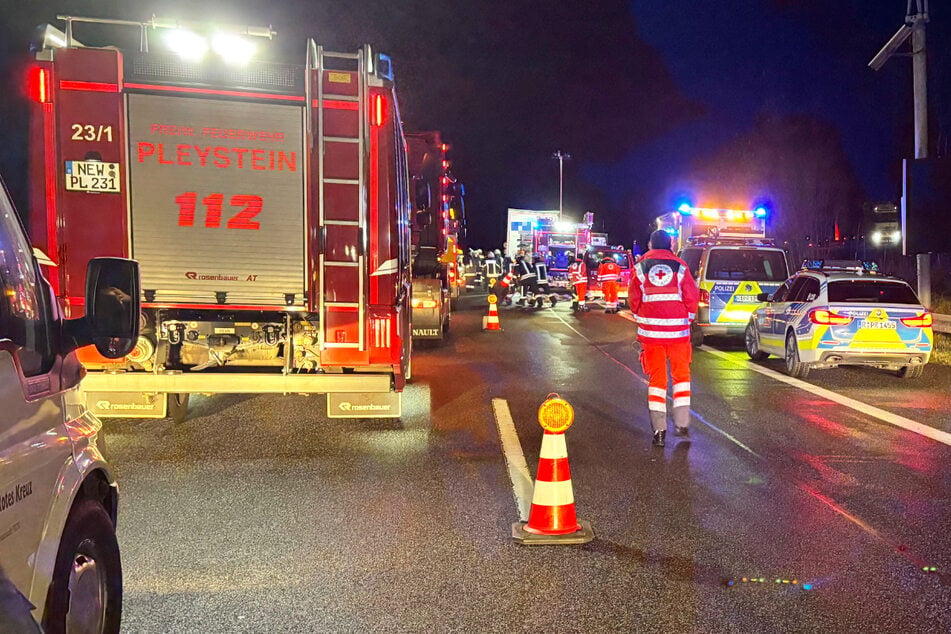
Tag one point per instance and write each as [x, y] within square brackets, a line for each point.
[730, 214]
[851, 266]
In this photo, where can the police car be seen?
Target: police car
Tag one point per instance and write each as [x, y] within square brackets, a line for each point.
[59, 559]
[842, 313]
[731, 274]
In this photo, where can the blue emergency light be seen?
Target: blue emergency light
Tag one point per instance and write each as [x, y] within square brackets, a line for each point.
[708, 212]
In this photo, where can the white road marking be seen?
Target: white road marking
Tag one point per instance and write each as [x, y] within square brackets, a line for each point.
[864, 408]
[522, 484]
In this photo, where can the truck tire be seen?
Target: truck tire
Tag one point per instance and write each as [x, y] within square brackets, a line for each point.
[86, 591]
[178, 407]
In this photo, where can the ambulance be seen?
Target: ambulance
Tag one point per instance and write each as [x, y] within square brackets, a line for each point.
[732, 260]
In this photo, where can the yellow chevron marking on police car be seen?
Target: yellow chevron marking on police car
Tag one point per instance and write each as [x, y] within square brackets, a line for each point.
[876, 332]
[741, 305]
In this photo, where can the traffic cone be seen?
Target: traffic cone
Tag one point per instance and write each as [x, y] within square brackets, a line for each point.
[492, 321]
[552, 519]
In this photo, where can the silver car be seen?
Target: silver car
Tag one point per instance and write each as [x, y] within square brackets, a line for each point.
[59, 560]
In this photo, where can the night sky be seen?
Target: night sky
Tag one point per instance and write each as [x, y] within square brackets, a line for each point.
[728, 102]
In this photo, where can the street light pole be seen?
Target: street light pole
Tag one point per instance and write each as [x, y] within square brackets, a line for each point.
[562, 157]
[914, 27]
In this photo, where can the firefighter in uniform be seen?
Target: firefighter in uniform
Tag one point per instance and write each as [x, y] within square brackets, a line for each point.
[525, 270]
[578, 279]
[609, 272]
[663, 297]
[493, 268]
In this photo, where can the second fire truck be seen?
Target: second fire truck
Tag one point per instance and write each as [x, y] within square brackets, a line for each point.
[267, 204]
[437, 222]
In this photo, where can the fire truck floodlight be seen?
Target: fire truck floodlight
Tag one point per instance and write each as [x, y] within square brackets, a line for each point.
[186, 44]
[233, 49]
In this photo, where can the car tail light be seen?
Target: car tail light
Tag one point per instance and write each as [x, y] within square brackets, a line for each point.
[825, 317]
[704, 297]
[919, 321]
[424, 303]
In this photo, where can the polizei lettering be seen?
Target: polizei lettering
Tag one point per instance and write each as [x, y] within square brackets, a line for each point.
[218, 156]
[16, 494]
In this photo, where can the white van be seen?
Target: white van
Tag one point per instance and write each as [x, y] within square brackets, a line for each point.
[59, 560]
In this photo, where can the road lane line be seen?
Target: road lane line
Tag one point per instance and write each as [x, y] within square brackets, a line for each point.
[522, 485]
[859, 406]
[736, 441]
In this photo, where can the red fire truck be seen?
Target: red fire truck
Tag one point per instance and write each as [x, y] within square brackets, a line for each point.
[555, 239]
[438, 219]
[267, 205]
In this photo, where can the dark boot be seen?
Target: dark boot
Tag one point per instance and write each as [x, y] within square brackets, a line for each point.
[681, 416]
[659, 438]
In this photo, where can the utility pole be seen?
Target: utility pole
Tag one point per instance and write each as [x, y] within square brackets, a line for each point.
[561, 157]
[915, 20]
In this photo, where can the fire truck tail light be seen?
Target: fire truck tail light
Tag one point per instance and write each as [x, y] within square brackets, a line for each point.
[381, 330]
[378, 113]
[824, 317]
[919, 321]
[38, 85]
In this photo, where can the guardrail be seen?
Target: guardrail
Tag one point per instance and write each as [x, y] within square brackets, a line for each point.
[942, 323]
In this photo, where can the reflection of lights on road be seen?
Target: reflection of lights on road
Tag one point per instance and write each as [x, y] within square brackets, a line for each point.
[778, 581]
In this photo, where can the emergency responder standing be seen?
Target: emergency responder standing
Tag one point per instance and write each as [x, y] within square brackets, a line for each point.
[663, 297]
[542, 290]
[609, 272]
[493, 268]
[578, 278]
[525, 270]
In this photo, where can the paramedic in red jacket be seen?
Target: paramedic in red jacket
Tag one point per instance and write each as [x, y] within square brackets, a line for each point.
[609, 274]
[663, 297]
[578, 278]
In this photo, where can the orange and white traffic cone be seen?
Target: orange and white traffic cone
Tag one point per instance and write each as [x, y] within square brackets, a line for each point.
[492, 321]
[552, 518]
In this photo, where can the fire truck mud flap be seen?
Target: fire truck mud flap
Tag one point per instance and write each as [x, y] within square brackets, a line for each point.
[126, 404]
[364, 405]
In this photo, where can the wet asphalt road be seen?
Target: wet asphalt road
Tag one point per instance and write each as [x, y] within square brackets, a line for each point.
[258, 514]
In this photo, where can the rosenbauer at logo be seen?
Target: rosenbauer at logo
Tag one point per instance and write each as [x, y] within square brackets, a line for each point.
[346, 406]
[219, 277]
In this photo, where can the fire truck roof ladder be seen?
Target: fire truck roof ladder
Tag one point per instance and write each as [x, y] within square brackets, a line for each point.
[317, 60]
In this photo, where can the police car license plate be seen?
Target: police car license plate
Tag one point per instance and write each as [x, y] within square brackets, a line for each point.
[745, 299]
[879, 325]
[92, 176]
